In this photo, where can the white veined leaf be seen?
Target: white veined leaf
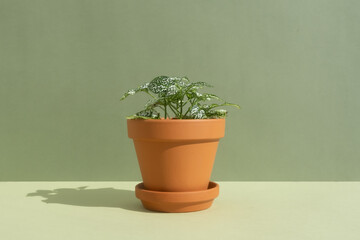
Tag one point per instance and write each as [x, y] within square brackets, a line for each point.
[146, 114]
[198, 85]
[197, 113]
[142, 88]
[164, 86]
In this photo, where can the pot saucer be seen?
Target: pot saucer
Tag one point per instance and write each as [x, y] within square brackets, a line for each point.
[177, 201]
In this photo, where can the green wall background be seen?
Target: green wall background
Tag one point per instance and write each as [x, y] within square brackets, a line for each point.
[293, 66]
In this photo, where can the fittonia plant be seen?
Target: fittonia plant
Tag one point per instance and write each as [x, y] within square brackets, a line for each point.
[178, 98]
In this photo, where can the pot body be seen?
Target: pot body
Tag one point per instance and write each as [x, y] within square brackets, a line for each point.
[176, 155]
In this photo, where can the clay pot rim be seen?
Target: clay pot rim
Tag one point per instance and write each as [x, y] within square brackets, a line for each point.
[177, 197]
[176, 129]
[179, 120]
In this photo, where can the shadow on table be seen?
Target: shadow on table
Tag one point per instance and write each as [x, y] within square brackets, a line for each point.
[101, 197]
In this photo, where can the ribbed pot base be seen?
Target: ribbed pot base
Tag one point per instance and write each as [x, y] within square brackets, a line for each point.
[177, 202]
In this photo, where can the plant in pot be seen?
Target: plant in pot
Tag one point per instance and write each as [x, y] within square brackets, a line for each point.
[176, 137]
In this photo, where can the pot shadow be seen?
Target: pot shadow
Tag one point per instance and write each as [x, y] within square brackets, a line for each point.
[101, 197]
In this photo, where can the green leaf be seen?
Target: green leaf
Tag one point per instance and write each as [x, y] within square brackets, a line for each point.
[209, 96]
[164, 86]
[206, 97]
[184, 82]
[198, 85]
[192, 93]
[142, 88]
[231, 104]
[197, 112]
[146, 114]
[214, 105]
[218, 113]
[138, 117]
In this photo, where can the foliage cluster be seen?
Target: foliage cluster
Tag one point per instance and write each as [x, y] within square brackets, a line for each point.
[177, 97]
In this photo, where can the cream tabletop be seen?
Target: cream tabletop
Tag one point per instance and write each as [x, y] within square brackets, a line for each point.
[243, 210]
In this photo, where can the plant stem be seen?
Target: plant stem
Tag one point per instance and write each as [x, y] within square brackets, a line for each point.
[174, 110]
[191, 105]
[181, 108]
[187, 111]
[150, 94]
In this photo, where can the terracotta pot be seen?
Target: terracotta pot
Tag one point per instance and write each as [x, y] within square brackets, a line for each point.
[176, 155]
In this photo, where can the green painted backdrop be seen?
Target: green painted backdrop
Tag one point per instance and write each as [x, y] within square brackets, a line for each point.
[293, 66]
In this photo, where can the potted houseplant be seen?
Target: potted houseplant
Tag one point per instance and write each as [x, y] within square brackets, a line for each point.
[176, 137]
